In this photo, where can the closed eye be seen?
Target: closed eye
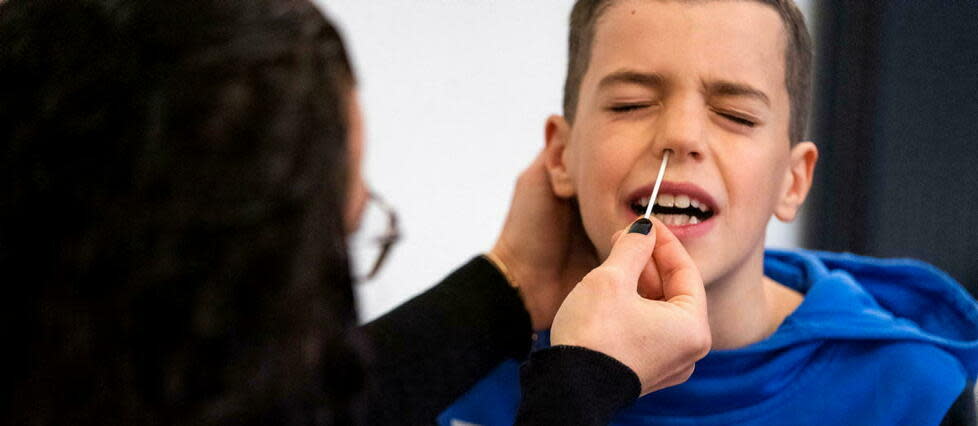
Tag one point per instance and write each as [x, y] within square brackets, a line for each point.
[737, 119]
[628, 107]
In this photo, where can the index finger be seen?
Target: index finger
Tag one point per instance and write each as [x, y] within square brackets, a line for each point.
[632, 249]
[680, 276]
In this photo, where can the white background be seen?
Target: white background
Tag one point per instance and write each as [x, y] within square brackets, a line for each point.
[455, 95]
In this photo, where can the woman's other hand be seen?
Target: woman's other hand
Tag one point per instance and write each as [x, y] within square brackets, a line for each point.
[658, 339]
[543, 245]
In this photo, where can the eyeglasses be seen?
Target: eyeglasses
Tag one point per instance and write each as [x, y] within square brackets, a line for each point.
[372, 242]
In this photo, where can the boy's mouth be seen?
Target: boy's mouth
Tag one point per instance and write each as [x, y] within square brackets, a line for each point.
[678, 204]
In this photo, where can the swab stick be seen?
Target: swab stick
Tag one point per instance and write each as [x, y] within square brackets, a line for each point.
[658, 182]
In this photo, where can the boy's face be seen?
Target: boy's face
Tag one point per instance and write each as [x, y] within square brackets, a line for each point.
[706, 80]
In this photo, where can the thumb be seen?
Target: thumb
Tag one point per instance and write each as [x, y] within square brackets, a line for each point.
[679, 273]
[632, 250]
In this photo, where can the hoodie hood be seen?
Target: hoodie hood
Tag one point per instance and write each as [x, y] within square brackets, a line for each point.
[857, 297]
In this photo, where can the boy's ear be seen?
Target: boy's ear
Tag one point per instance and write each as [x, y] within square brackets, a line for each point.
[557, 135]
[797, 181]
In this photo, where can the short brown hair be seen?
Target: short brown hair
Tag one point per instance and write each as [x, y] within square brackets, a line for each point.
[798, 58]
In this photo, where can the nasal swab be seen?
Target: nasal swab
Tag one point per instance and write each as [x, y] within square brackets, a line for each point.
[658, 182]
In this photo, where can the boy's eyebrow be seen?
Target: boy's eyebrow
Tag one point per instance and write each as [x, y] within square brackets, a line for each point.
[651, 80]
[732, 88]
[655, 80]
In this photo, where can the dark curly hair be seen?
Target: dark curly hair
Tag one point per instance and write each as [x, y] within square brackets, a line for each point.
[171, 238]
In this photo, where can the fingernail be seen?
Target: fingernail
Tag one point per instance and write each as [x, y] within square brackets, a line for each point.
[642, 226]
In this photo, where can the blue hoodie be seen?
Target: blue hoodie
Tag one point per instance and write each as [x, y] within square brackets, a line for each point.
[875, 342]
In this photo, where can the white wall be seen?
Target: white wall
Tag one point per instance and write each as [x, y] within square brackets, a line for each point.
[455, 96]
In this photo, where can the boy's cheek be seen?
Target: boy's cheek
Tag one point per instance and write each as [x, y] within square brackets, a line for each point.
[597, 170]
[599, 223]
[601, 239]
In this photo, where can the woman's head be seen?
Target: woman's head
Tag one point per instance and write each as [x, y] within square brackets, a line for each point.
[174, 182]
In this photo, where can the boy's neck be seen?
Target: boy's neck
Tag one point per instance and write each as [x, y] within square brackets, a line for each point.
[746, 307]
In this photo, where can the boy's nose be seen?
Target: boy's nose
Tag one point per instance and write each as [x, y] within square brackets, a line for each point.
[682, 129]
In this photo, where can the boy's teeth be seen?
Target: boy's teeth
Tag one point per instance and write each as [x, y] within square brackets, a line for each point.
[681, 201]
[642, 203]
[677, 219]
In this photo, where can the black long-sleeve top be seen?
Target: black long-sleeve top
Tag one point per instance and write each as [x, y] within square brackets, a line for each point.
[432, 349]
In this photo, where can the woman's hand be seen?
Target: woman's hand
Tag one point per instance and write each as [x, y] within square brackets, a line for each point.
[543, 245]
[658, 339]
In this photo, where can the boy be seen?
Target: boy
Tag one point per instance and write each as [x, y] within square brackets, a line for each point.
[798, 337]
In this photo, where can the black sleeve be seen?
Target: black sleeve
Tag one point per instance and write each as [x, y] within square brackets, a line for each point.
[427, 352]
[565, 385]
